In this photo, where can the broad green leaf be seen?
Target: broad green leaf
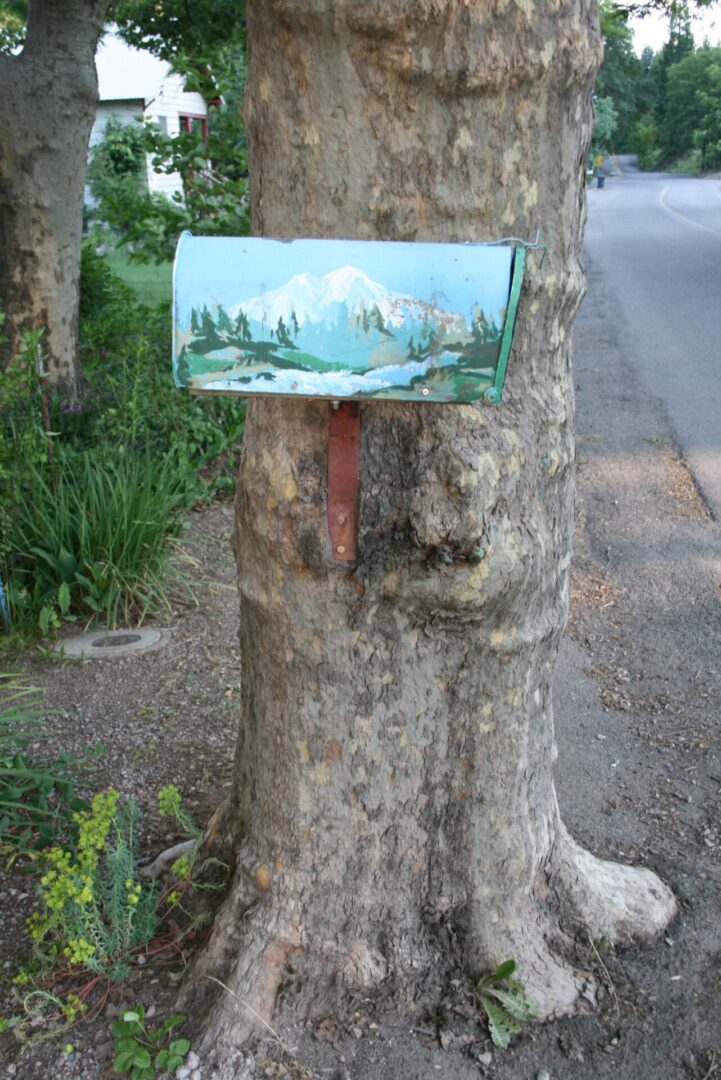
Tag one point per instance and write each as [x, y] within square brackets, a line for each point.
[141, 1058]
[180, 1046]
[514, 1003]
[64, 597]
[126, 1045]
[121, 1028]
[500, 1025]
[124, 1062]
[503, 971]
[173, 1021]
[67, 563]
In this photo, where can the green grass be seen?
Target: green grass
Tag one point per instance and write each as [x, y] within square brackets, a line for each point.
[151, 283]
[92, 538]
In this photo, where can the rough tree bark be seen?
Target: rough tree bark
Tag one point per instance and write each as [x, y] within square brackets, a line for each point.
[49, 93]
[394, 807]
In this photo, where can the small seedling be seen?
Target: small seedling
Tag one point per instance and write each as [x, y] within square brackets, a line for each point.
[141, 1052]
[506, 1008]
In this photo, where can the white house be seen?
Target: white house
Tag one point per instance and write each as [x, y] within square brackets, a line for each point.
[134, 86]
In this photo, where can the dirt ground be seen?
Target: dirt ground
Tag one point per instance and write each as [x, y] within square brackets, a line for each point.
[638, 696]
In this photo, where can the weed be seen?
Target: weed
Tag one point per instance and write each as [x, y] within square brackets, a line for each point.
[170, 805]
[35, 800]
[189, 872]
[506, 1007]
[142, 1052]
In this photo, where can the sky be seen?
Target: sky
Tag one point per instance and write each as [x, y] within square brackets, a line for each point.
[228, 270]
[653, 29]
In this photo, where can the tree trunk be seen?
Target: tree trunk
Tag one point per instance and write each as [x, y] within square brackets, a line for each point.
[49, 95]
[394, 804]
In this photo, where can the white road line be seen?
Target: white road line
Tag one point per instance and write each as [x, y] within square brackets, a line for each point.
[663, 205]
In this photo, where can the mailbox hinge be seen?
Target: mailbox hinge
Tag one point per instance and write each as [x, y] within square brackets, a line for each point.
[343, 479]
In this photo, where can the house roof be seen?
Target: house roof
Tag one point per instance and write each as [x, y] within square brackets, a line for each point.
[127, 74]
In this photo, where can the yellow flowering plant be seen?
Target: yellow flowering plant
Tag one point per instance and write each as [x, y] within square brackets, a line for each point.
[95, 912]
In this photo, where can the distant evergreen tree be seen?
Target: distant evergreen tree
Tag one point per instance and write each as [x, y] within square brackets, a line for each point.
[194, 322]
[412, 350]
[223, 323]
[483, 331]
[366, 322]
[207, 326]
[296, 324]
[379, 322]
[283, 335]
[242, 327]
[433, 341]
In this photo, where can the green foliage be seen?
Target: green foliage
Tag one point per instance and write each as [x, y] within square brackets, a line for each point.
[119, 157]
[620, 81]
[94, 911]
[502, 999]
[92, 491]
[209, 50]
[191, 37]
[36, 801]
[214, 198]
[189, 873]
[90, 537]
[12, 24]
[606, 123]
[691, 104]
[666, 105]
[170, 805]
[707, 134]
[646, 139]
[689, 165]
[22, 429]
[143, 1052]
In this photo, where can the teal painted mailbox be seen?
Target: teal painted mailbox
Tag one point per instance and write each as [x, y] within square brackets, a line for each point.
[344, 319]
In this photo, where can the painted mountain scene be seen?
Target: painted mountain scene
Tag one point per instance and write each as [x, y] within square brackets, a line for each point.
[339, 319]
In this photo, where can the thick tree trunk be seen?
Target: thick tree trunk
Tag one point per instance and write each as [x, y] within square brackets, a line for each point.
[395, 806]
[49, 95]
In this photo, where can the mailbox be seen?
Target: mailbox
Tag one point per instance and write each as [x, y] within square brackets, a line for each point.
[344, 319]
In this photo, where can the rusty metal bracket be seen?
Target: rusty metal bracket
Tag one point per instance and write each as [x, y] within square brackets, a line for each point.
[343, 479]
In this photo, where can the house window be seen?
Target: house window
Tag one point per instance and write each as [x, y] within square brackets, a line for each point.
[198, 125]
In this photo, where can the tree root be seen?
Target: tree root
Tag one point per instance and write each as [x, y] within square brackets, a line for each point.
[615, 902]
[159, 865]
[215, 842]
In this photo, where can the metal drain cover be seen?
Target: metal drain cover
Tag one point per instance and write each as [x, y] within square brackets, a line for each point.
[112, 644]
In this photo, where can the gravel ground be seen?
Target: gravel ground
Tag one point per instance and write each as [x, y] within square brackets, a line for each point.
[638, 691]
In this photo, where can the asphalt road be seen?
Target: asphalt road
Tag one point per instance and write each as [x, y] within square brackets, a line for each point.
[655, 241]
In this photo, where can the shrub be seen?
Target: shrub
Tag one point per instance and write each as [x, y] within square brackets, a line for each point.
[646, 143]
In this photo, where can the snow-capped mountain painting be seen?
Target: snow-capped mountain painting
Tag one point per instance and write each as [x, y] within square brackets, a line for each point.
[339, 319]
[335, 296]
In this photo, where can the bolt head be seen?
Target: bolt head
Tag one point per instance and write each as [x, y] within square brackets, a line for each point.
[341, 549]
[341, 519]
